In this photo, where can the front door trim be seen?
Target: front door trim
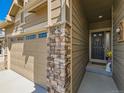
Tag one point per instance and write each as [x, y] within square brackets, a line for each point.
[90, 33]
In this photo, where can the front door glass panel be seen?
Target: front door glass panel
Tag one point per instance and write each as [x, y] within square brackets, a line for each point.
[97, 45]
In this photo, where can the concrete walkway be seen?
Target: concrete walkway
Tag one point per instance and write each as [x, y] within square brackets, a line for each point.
[11, 82]
[97, 83]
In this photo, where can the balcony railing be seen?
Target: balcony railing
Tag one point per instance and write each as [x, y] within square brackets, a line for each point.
[34, 5]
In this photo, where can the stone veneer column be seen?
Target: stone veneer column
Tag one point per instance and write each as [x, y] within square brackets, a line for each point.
[58, 67]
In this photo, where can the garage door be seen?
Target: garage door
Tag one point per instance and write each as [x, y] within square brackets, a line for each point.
[29, 59]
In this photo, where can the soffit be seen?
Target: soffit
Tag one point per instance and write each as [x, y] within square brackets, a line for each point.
[95, 8]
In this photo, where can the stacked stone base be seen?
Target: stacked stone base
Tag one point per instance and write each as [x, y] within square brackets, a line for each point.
[58, 68]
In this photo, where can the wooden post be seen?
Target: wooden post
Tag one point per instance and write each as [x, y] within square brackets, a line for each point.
[49, 12]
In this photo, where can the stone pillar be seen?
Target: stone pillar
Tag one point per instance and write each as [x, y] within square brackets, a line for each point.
[58, 67]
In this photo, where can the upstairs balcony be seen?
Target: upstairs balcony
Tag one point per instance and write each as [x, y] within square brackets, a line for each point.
[35, 5]
[15, 7]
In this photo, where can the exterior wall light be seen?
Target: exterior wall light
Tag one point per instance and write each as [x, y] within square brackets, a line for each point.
[100, 17]
[118, 30]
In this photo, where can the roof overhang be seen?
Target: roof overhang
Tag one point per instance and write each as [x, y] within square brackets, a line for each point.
[5, 24]
[35, 5]
[97, 10]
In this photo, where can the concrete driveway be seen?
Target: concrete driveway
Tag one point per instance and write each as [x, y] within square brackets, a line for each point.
[11, 82]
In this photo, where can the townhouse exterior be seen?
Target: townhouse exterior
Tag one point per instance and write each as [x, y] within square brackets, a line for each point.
[51, 41]
[38, 40]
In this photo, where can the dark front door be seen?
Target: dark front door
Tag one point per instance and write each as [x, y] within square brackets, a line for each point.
[97, 40]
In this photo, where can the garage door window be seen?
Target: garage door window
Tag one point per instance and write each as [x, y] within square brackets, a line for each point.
[42, 35]
[30, 37]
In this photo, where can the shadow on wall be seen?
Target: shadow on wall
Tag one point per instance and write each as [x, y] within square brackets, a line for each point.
[39, 89]
[38, 50]
[29, 59]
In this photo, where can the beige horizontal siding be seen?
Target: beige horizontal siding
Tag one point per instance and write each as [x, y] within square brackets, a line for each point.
[56, 11]
[118, 51]
[79, 45]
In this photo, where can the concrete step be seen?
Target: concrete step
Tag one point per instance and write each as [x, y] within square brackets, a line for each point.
[99, 69]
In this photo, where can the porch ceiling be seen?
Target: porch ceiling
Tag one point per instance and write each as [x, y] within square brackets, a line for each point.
[96, 8]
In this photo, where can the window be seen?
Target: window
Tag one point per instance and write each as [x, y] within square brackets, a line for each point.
[94, 35]
[42, 35]
[30, 37]
[120, 32]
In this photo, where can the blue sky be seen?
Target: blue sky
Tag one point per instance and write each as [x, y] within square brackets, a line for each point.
[4, 8]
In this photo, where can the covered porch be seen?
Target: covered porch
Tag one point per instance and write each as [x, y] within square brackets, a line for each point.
[96, 18]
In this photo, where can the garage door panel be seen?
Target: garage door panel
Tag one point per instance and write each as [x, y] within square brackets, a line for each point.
[41, 69]
[20, 70]
[21, 64]
[29, 58]
[17, 62]
[29, 67]
[26, 73]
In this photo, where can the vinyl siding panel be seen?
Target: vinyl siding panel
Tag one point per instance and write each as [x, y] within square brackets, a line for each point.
[118, 54]
[80, 43]
[56, 11]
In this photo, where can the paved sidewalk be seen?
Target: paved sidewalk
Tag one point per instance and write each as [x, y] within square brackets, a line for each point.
[97, 83]
[11, 82]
